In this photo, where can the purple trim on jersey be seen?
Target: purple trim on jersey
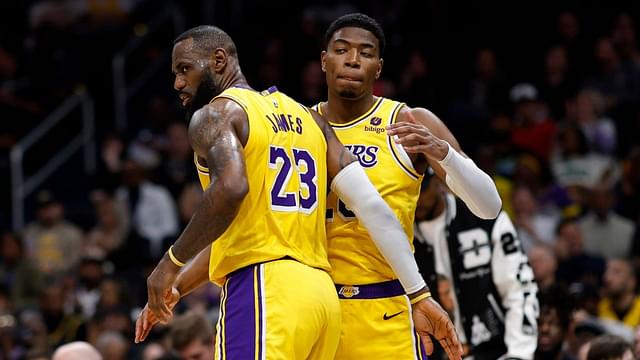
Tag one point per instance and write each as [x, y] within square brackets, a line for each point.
[240, 317]
[371, 291]
[272, 89]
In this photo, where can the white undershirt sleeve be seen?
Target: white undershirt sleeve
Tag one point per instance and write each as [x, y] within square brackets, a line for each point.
[355, 189]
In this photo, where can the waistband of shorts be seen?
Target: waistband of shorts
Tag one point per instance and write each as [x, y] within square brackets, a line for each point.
[370, 291]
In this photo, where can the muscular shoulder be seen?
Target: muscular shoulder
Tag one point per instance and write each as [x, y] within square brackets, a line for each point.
[420, 114]
[212, 120]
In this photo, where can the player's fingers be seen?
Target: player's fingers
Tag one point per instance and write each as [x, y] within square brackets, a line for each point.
[451, 354]
[400, 128]
[411, 139]
[427, 343]
[138, 335]
[416, 149]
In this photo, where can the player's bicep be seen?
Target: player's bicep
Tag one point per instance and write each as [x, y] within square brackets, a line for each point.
[338, 156]
[213, 137]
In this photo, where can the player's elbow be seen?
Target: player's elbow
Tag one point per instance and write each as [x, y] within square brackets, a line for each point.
[235, 191]
[492, 208]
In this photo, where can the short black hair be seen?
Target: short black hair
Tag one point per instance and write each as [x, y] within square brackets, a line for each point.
[607, 347]
[207, 38]
[360, 21]
[557, 297]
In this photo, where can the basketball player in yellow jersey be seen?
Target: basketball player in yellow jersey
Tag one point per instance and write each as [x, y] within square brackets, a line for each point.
[265, 161]
[377, 320]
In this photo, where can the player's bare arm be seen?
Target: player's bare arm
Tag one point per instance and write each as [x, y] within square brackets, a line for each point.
[429, 141]
[190, 277]
[214, 133]
[338, 156]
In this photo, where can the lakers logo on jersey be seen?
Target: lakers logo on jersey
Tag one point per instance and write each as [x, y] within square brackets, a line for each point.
[367, 155]
[349, 291]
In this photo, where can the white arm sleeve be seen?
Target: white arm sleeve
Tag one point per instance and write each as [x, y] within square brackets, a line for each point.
[471, 184]
[354, 188]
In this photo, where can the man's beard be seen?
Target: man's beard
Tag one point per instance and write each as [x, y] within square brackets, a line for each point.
[204, 93]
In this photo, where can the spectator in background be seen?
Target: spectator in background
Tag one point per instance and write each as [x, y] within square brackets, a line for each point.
[569, 35]
[312, 83]
[109, 233]
[61, 327]
[574, 166]
[77, 350]
[87, 292]
[177, 168]
[112, 346]
[628, 190]
[153, 216]
[192, 337]
[606, 233]
[558, 83]
[574, 265]
[623, 36]
[533, 131]
[53, 243]
[416, 84]
[620, 302]
[554, 323]
[599, 130]
[609, 347]
[188, 202]
[544, 264]
[619, 84]
[153, 351]
[534, 228]
[17, 273]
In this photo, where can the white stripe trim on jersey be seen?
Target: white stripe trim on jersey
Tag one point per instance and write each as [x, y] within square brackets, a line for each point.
[403, 160]
[263, 314]
[412, 332]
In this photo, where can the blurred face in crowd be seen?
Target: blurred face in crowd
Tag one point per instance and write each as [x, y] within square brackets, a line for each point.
[194, 81]
[556, 60]
[486, 64]
[571, 236]
[352, 63]
[543, 262]
[601, 200]
[568, 25]
[178, 140]
[605, 53]
[619, 278]
[50, 214]
[523, 201]
[11, 249]
[52, 300]
[550, 331]
[197, 350]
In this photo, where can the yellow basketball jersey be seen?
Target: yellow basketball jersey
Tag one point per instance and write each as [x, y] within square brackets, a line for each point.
[354, 257]
[283, 213]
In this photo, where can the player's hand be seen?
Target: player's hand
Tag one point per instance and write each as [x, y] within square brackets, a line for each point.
[147, 320]
[159, 287]
[418, 139]
[430, 319]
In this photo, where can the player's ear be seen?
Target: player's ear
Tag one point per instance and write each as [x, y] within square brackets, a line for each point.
[219, 60]
[323, 60]
[379, 70]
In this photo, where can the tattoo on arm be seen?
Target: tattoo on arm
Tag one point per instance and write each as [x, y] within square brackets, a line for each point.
[213, 136]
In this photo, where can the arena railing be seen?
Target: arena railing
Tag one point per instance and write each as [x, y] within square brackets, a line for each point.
[123, 91]
[23, 186]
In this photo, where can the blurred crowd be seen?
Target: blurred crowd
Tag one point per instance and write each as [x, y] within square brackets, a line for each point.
[555, 119]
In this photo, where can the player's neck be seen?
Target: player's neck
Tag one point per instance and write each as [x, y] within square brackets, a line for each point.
[235, 79]
[341, 110]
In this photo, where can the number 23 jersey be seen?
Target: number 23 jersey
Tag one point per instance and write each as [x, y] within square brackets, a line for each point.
[283, 213]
